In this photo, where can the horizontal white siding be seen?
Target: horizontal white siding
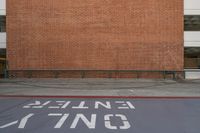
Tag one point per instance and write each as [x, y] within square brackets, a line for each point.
[2, 7]
[2, 40]
[192, 12]
[192, 7]
[191, 4]
[192, 38]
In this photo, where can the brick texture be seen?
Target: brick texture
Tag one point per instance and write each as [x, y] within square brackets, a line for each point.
[95, 34]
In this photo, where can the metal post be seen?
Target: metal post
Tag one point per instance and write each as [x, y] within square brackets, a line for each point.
[30, 73]
[56, 74]
[82, 74]
[164, 74]
[5, 73]
[138, 75]
[174, 75]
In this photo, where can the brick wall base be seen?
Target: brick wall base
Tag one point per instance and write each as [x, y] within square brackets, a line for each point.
[95, 74]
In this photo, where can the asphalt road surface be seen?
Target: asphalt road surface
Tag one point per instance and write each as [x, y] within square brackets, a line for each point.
[99, 115]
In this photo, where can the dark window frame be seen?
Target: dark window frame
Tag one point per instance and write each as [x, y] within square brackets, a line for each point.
[192, 58]
[2, 23]
[192, 22]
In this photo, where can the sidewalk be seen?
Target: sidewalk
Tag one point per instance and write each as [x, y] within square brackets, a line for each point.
[99, 87]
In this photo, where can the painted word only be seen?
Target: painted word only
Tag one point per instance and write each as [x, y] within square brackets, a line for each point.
[90, 123]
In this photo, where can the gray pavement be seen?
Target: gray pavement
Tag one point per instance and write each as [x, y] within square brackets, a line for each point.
[99, 87]
[78, 115]
[50, 114]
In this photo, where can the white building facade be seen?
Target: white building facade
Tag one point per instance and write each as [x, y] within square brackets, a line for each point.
[192, 39]
[2, 27]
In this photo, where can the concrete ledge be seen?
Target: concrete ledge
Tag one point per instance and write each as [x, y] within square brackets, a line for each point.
[192, 73]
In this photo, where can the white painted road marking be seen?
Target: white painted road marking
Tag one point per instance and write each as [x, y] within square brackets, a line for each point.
[22, 123]
[107, 118]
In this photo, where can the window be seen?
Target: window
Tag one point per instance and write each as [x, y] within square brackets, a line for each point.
[192, 23]
[192, 58]
[2, 23]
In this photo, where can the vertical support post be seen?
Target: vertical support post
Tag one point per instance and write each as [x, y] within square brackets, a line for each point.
[5, 73]
[164, 74]
[82, 73]
[174, 75]
[138, 75]
[56, 74]
[30, 73]
[184, 74]
[6, 69]
[109, 74]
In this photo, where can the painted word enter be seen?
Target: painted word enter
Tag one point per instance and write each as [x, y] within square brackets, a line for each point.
[90, 123]
[80, 105]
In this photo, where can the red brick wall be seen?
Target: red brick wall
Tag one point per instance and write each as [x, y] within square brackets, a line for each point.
[95, 34]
